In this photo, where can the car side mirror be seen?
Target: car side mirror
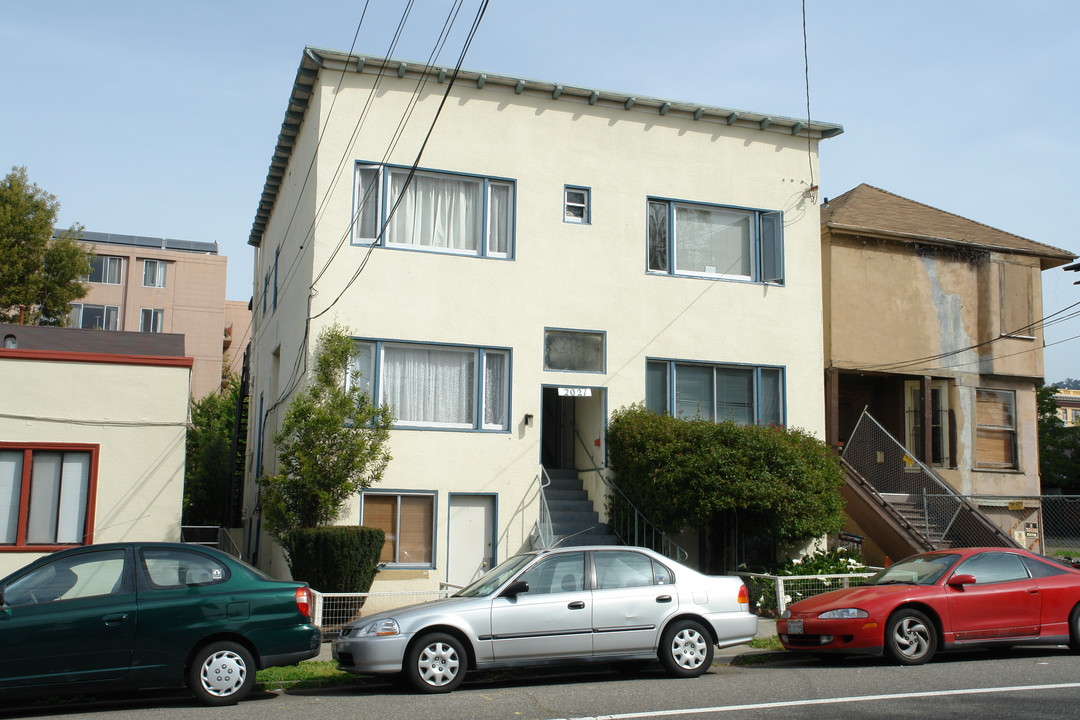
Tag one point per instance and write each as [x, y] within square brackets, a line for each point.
[515, 588]
[961, 580]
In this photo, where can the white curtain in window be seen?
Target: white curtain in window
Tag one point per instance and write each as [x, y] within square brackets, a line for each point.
[367, 203]
[71, 510]
[44, 495]
[495, 381]
[712, 241]
[498, 218]
[430, 386]
[437, 212]
[10, 486]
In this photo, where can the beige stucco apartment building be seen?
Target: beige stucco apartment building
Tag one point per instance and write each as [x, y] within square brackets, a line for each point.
[554, 253]
[161, 285]
[92, 430]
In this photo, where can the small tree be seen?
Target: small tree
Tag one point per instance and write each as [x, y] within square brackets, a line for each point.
[1059, 445]
[331, 445]
[39, 276]
[208, 461]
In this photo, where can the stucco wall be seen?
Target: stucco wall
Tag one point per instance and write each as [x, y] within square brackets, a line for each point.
[136, 414]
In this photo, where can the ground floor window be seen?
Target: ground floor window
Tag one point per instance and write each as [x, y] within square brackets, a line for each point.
[746, 394]
[408, 521]
[46, 495]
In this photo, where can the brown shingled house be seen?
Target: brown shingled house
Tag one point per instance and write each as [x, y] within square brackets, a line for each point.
[932, 327]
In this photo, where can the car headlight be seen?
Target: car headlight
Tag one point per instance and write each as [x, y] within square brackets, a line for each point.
[844, 614]
[786, 614]
[379, 628]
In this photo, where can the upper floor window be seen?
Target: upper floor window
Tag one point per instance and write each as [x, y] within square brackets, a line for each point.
[746, 394]
[46, 494]
[715, 241]
[438, 386]
[106, 269]
[434, 211]
[995, 429]
[151, 320]
[153, 273]
[576, 205]
[574, 350]
[95, 317]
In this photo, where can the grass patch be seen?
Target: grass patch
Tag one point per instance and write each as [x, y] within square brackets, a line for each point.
[766, 643]
[308, 674]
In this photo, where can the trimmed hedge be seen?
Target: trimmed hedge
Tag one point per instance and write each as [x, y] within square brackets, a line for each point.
[681, 473]
[334, 558]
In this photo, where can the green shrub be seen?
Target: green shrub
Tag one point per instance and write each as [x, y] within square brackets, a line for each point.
[683, 473]
[334, 558]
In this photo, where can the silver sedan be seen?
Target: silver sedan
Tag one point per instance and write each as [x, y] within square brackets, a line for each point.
[567, 605]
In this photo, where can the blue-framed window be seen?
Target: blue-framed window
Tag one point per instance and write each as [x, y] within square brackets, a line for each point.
[574, 350]
[746, 394]
[433, 211]
[407, 520]
[450, 387]
[715, 241]
[577, 205]
[277, 255]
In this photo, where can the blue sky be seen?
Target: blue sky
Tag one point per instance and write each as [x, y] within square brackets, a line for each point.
[159, 118]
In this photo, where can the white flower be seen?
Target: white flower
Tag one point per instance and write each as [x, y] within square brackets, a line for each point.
[787, 599]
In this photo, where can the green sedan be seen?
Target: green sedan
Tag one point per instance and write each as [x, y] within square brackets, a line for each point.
[148, 615]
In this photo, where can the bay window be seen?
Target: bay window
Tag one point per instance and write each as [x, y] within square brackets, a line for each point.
[437, 386]
[433, 211]
[745, 394]
[714, 241]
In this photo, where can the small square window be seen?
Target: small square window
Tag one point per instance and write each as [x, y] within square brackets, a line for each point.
[576, 205]
[573, 350]
[154, 273]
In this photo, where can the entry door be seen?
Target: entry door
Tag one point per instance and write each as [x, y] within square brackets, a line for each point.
[471, 547]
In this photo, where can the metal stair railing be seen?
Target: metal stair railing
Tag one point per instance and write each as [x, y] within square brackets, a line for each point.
[627, 522]
[545, 534]
[890, 469]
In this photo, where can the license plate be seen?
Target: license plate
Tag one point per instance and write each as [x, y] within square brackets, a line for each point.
[795, 627]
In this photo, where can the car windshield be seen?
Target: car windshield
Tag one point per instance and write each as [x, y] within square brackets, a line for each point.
[496, 577]
[915, 570]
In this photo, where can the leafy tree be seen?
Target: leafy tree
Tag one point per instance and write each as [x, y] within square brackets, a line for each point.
[208, 461]
[39, 276]
[690, 473]
[1059, 445]
[332, 444]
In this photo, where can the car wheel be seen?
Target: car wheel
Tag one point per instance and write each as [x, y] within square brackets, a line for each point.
[221, 673]
[435, 663]
[1074, 629]
[686, 649]
[910, 637]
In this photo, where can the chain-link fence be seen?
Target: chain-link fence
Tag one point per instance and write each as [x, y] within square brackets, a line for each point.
[1047, 524]
[333, 611]
[771, 594]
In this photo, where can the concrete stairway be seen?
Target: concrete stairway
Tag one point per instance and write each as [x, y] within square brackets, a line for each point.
[574, 521]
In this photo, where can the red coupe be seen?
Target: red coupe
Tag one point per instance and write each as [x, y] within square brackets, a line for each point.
[945, 600]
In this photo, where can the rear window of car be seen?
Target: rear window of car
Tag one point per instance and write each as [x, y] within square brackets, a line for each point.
[1039, 569]
[172, 568]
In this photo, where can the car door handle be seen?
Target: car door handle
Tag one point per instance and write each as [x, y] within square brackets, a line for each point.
[578, 605]
[663, 598]
[115, 619]
[1033, 591]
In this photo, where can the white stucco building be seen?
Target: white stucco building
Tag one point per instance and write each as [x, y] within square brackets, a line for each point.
[554, 253]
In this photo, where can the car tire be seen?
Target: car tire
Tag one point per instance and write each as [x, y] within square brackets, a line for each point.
[910, 637]
[435, 663]
[1074, 629]
[221, 673]
[686, 649]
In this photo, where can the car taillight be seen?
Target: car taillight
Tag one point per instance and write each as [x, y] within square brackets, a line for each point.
[303, 601]
[744, 595]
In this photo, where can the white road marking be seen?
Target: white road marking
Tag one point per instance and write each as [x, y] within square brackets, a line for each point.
[821, 701]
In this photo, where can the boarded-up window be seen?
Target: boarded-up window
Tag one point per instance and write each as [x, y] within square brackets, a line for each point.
[408, 523]
[995, 420]
[1016, 300]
